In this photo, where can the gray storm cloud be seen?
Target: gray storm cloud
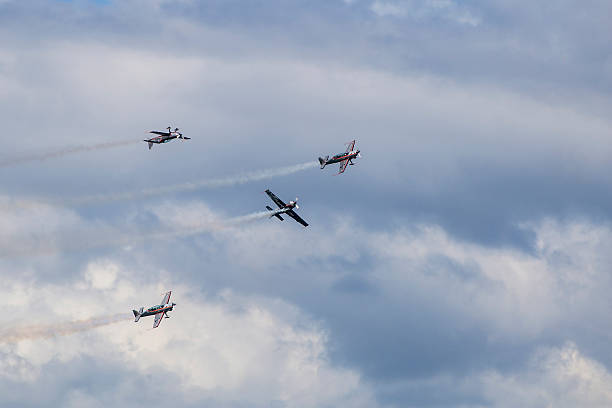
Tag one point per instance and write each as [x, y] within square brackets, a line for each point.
[45, 331]
[39, 157]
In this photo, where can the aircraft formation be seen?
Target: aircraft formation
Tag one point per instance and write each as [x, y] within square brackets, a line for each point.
[288, 209]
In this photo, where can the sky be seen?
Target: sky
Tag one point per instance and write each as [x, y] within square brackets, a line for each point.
[463, 261]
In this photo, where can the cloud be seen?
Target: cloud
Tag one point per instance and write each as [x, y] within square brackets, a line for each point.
[428, 9]
[300, 308]
[260, 349]
[472, 239]
[389, 9]
[450, 144]
[558, 376]
[442, 304]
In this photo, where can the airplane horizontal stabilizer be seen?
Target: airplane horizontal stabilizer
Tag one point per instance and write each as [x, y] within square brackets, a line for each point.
[274, 215]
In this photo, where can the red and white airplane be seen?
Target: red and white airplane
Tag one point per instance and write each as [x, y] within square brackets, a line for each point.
[344, 159]
[159, 311]
[165, 137]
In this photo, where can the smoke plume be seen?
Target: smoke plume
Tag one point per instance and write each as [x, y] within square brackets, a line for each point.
[108, 236]
[191, 186]
[40, 331]
[63, 152]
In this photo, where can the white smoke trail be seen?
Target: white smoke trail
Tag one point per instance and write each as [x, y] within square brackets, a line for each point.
[190, 186]
[185, 230]
[207, 226]
[40, 331]
[63, 152]
[33, 203]
[104, 236]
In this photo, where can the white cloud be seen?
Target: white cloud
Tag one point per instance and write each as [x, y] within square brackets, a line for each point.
[513, 293]
[384, 9]
[267, 349]
[101, 275]
[556, 377]
[446, 9]
[251, 349]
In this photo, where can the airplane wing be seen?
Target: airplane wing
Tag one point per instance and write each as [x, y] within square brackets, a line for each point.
[343, 166]
[155, 132]
[166, 298]
[350, 146]
[277, 200]
[296, 217]
[158, 318]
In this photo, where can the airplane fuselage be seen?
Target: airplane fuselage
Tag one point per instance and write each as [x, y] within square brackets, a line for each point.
[157, 309]
[290, 206]
[163, 139]
[342, 157]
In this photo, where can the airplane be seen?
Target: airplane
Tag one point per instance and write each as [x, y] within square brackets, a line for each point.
[159, 311]
[284, 209]
[165, 137]
[345, 158]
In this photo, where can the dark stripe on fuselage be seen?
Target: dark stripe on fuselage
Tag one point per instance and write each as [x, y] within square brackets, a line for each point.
[156, 311]
[342, 158]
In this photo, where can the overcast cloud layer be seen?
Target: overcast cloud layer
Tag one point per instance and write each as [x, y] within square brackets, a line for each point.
[463, 262]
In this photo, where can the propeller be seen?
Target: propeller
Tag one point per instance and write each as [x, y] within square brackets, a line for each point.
[359, 153]
[180, 135]
[297, 207]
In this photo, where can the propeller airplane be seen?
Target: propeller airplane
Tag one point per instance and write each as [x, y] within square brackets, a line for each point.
[165, 137]
[159, 311]
[344, 159]
[284, 209]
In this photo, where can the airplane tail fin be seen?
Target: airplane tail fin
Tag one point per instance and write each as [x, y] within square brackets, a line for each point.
[137, 314]
[323, 161]
[150, 145]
